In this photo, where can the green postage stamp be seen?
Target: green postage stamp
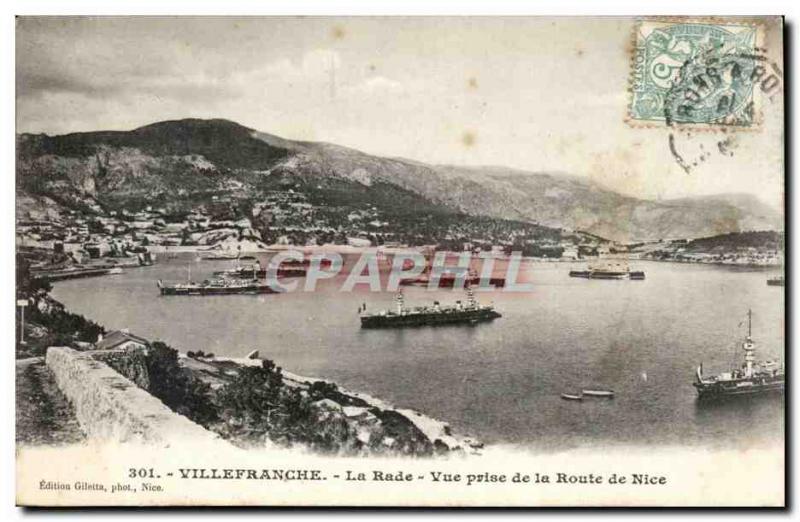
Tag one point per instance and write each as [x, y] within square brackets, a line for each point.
[694, 73]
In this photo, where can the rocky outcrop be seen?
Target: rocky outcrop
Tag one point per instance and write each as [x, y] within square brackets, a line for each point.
[353, 430]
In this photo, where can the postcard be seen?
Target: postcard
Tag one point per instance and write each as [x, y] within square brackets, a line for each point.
[400, 261]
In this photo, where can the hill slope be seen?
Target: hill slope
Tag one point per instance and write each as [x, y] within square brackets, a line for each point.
[191, 160]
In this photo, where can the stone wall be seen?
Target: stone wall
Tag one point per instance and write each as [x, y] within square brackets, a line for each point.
[112, 408]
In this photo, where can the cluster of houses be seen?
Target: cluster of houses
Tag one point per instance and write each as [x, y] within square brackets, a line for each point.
[682, 251]
[747, 257]
[123, 233]
[284, 217]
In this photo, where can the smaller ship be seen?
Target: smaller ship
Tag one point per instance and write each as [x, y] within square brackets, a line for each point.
[470, 313]
[599, 394]
[449, 277]
[572, 396]
[608, 271]
[256, 271]
[750, 379]
[776, 281]
[324, 262]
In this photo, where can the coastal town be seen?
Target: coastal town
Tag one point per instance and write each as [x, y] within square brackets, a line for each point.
[99, 237]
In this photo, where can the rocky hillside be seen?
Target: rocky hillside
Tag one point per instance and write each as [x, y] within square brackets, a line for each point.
[192, 160]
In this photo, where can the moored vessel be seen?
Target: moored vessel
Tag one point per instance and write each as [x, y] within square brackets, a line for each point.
[776, 281]
[750, 379]
[450, 278]
[219, 286]
[470, 313]
[608, 271]
[600, 394]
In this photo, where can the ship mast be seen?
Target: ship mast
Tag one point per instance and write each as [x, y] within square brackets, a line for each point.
[399, 300]
[471, 297]
[749, 347]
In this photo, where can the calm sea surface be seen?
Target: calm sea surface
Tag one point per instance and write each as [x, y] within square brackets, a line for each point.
[500, 381]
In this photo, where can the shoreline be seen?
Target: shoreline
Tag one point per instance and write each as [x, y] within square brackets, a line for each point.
[354, 250]
[433, 429]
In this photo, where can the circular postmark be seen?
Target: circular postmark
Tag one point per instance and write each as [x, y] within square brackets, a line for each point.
[718, 89]
[715, 86]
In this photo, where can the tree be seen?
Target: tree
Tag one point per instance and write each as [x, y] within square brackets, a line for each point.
[176, 387]
[256, 404]
[27, 285]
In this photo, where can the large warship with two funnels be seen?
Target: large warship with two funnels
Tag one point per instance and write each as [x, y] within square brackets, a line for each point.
[470, 312]
[751, 378]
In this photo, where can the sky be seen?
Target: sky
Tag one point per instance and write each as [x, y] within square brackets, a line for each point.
[537, 94]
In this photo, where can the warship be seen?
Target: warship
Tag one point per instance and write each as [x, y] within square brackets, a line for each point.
[216, 286]
[608, 271]
[470, 313]
[449, 278]
[220, 286]
[750, 379]
[324, 262]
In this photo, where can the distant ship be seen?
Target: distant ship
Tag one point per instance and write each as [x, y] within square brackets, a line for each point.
[324, 262]
[750, 379]
[776, 281]
[470, 313]
[256, 271]
[449, 277]
[218, 286]
[608, 271]
[222, 286]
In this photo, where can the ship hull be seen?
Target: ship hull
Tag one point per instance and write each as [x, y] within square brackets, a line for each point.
[262, 273]
[195, 291]
[719, 390]
[450, 282]
[73, 274]
[587, 274]
[432, 319]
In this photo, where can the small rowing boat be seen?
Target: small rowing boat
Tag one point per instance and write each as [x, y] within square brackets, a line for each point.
[602, 394]
[572, 397]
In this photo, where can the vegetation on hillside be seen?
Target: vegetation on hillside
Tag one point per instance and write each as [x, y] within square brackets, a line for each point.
[176, 387]
[760, 240]
[47, 322]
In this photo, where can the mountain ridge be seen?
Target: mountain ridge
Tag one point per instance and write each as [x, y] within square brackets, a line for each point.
[205, 155]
